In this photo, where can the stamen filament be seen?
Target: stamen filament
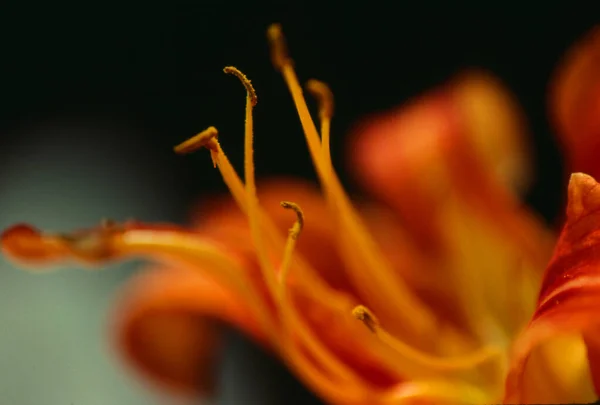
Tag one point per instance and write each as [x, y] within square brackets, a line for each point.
[287, 309]
[437, 390]
[324, 97]
[110, 242]
[237, 190]
[266, 266]
[348, 393]
[291, 241]
[201, 140]
[407, 353]
[362, 251]
[208, 139]
[291, 320]
[289, 315]
[177, 246]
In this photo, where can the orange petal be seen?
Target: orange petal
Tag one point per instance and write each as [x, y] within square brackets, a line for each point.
[461, 135]
[448, 164]
[549, 362]
[165, 325]
[575, 104]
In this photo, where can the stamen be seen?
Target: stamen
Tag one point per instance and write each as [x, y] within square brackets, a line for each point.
[171, 244]
[288, 312]
[251, 197]
[417, 358]
[245, 81]
[291, 241]
[438, 391]
[299, 224]
[291, 320]
[237, 190]
[206, 138]
[363, 314]
[314, 376]
[385, 290]
[279, 52]
[324, 97]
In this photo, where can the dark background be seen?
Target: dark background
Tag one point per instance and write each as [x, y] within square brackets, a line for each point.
[116, 85]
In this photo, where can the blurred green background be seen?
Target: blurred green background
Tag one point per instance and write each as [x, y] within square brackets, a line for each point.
[94, 96]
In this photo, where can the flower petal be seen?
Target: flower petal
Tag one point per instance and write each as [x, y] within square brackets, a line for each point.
[166, 326]
[556, 358]
[575, 104]
[448, 164]
[440, 141]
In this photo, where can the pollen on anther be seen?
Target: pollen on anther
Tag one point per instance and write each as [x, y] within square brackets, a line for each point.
[245, 81]
[364, 315]
[299, 224]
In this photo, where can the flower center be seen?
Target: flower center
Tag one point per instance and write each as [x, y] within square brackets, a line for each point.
[384, 290]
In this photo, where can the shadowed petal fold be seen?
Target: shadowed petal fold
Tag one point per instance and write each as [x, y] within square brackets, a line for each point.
[167, 325]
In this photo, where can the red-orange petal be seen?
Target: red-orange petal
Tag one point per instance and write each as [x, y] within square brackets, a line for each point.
[166, 325]
[449, 164]
[575, 104]
[467, 137]
[569, 300]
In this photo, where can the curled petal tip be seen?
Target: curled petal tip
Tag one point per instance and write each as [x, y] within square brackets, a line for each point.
[25, 243]
[584, 195]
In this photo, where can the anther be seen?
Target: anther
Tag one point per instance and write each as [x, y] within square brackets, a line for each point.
[206, 138]
[299, 224]
[290, 243]
[324, 96]
[364, 315]
[245, 81]
[279, 52]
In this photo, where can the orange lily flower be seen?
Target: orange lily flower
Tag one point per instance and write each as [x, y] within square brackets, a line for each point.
[436, 293]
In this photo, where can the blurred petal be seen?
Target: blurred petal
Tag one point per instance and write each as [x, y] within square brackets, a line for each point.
[575, 104]
[165, 325]
[448, 164]
[550, 359]
[430, 146]
[494, 124]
